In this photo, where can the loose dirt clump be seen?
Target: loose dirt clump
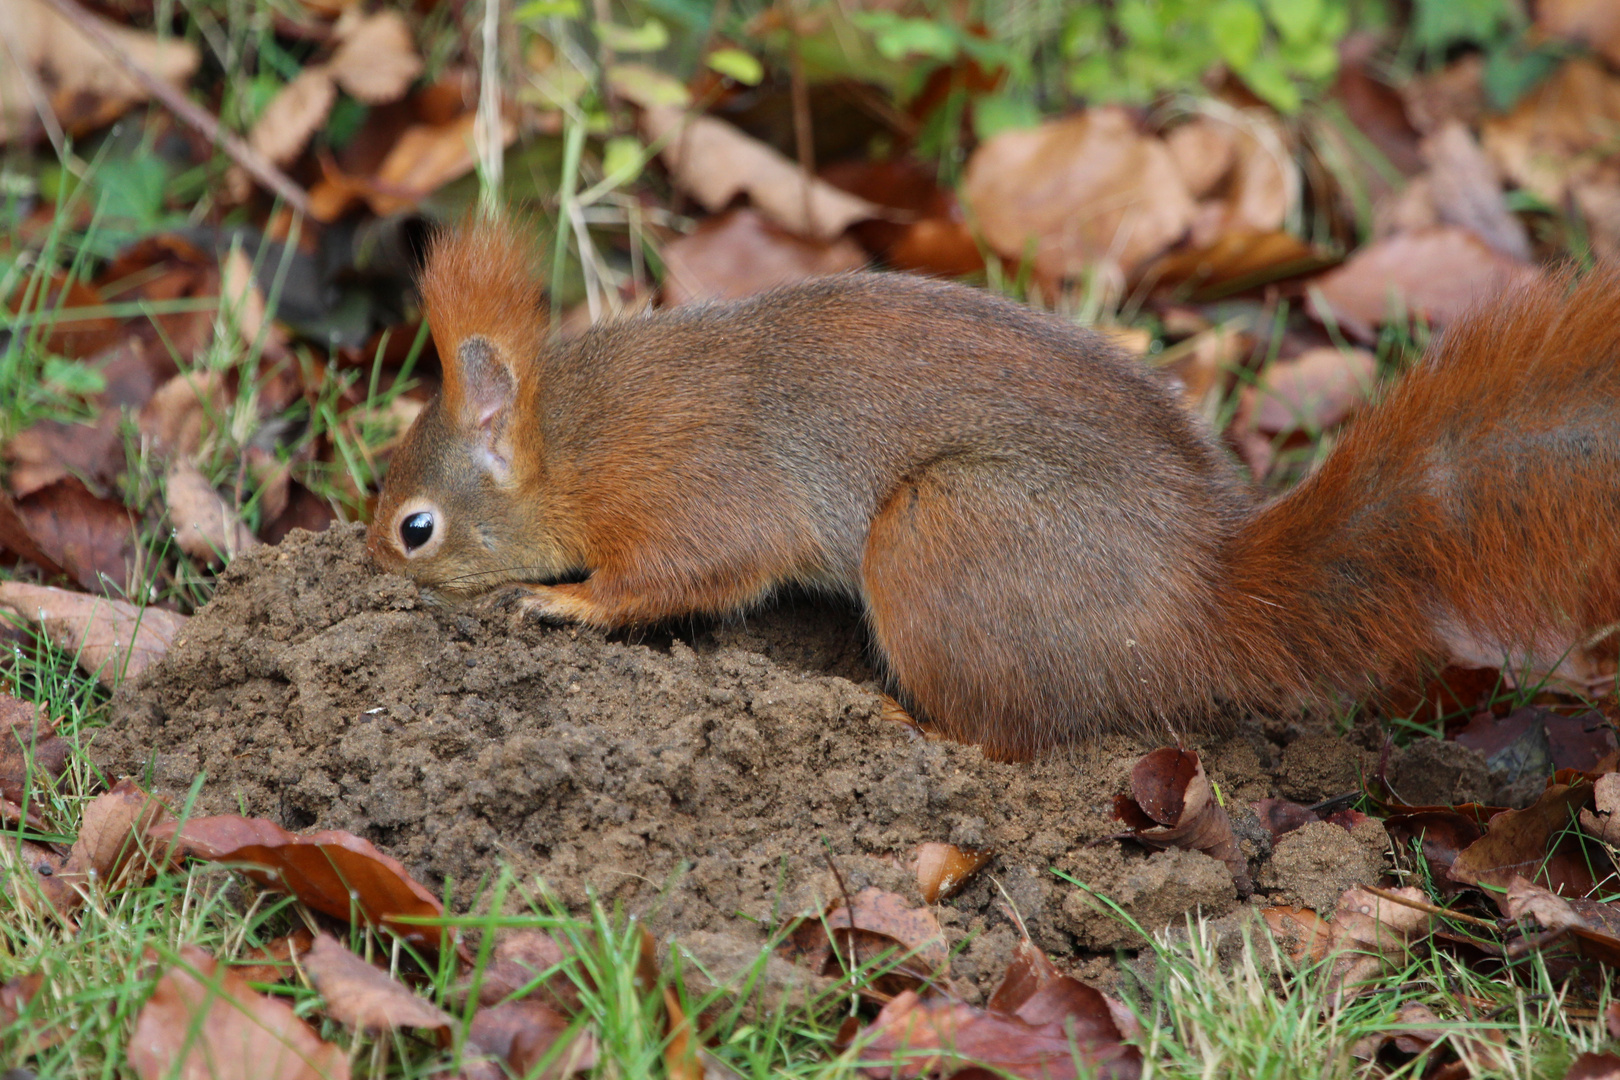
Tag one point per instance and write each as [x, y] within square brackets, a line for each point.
[702, 777]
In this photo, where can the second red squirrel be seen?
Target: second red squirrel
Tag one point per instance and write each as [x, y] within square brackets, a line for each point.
[1044, 542]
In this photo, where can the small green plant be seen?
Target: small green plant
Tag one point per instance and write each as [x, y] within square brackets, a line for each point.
[1515, 59]
[1135, 50]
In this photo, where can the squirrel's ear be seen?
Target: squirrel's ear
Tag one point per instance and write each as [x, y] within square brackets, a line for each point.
[483, 392]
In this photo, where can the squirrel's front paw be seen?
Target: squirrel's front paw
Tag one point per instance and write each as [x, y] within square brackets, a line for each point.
[546, 603]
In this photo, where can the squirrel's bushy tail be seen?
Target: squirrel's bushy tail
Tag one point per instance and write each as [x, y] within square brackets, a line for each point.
[1480, 497]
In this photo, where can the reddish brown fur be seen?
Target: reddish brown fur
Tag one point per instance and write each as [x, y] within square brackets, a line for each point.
[1043, 541]
[1485, 488]
[479, 282]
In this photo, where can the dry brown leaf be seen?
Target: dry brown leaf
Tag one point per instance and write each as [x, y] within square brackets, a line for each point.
[203, 1022]
[1203, 150]
[1595, 23]
[1371, 934]
[17, 997]
[1535, 842]
[1303, 934]
[943, 870]
[1563, 126]
[30, 749]
[15, 538]
[243, 301]
[273, 961]
[426, 157]
[739, 253]
[1594, 1066]
[332, 871]
[1066, 1030]
[1466, 190]
[715, 162]
[367, 999]
[523, 1033]
[1454, 92]
[1603, 819]
[1314, 390]
[1417, 1027]
[1553, 912]
[181, 411]
[1236, 260]
[376, 60]
[1172, 804]
[1435, 274]
[91, 538]
[204, 525]
[521, 957]
[43, 53]
[422, 159]
[929, 234]
[32, 873]
[1597, 196]
[110, 851]
[884, 925]
[680, 1063]
[1077, 192]
[112, 639]
[293, 114]
[111, 833]
[52, 450]
[1259, 186]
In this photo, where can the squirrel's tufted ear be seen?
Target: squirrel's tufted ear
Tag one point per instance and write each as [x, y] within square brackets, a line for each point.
[484, 302]
[481, 389]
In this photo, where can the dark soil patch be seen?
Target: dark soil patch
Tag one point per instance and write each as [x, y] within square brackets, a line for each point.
[701, 777]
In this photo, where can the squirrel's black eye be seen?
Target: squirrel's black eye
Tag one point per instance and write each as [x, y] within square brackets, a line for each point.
[416, 530]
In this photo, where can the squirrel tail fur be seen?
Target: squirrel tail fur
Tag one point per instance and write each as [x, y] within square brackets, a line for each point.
[1480, 497]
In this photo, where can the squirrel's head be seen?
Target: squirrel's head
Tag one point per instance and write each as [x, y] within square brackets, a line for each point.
[463, 507]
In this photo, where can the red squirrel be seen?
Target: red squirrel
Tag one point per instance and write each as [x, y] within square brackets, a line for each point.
[1044, 543]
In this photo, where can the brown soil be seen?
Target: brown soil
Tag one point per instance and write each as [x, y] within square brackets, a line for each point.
[701, 777]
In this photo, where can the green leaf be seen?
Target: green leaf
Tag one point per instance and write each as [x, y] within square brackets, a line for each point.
[73, 377]
[1296, 21]
[545, 9]
[1438, 24]
[622, 158]
[650, 36]
[1510, 72]
[1085, 31]
[1336, 22]
[344, 122]
[1313, 59]
[897, 38]
[1139, 22]
[737, 65]
[1238, 29]
[131, 189]
[1094, 77]
[1267, 79]
[646, 87]
[995, 113]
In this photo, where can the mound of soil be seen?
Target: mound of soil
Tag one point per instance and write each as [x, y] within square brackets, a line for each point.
[701, 778]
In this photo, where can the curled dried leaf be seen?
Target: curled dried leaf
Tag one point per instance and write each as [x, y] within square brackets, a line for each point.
[293, 115]
[715, 162]
[111, 639]
[376, 60]
[943, 870]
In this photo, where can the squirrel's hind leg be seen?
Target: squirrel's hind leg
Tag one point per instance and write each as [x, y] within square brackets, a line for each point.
[1018, 611]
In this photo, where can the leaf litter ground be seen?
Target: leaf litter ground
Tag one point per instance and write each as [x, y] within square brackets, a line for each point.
[703, 778]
